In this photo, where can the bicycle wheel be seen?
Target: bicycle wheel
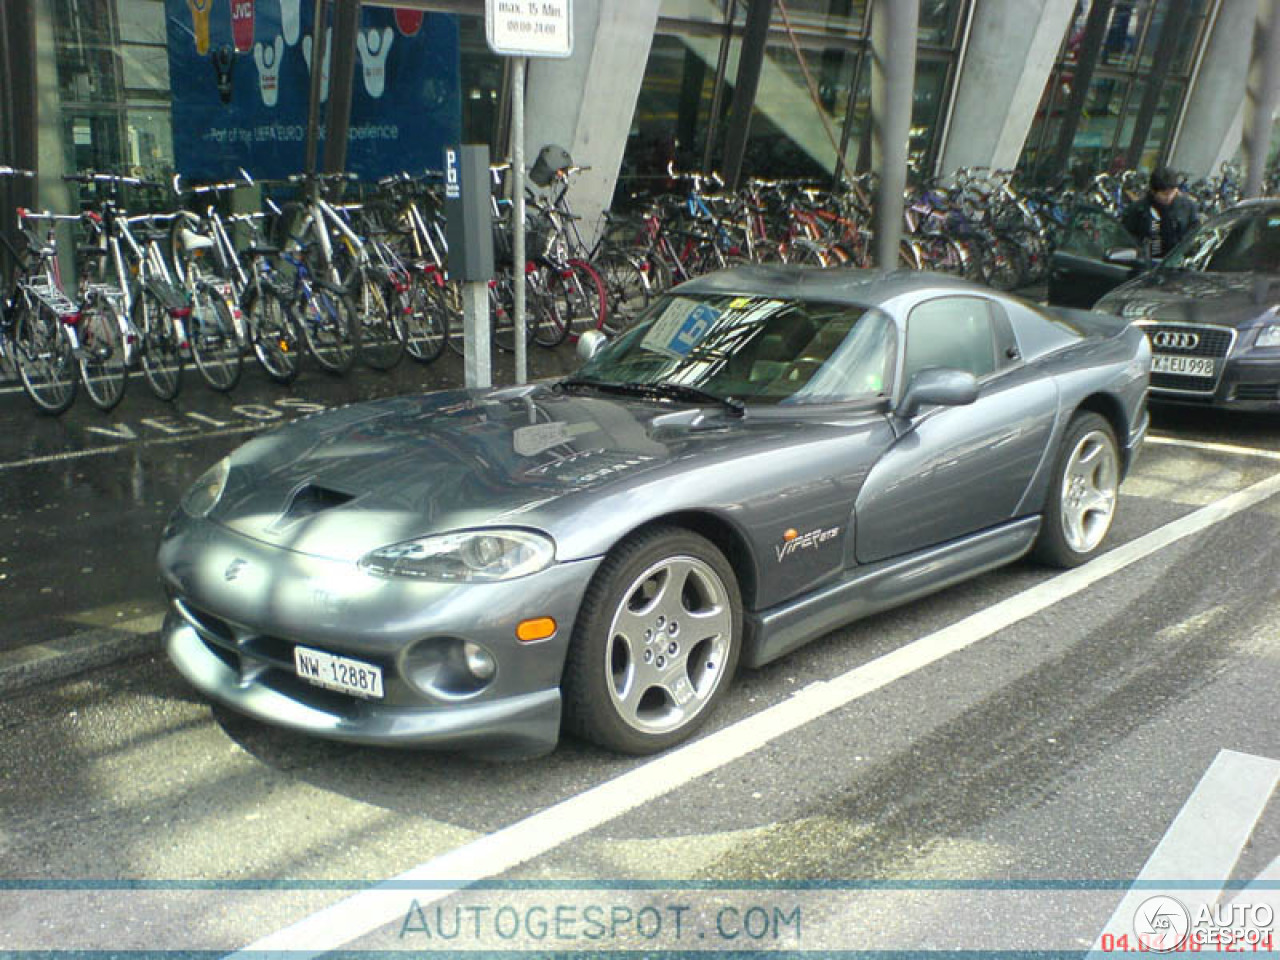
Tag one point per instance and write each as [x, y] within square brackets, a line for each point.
[330, 328]
[587, 298]
[455, 327]
[502, 312]
[45, 359]
[214, 345]
[161, 345]
[627, 288]
[422, 305]
[549, 310]
[103, 362]
[272, 332]
[382, 331]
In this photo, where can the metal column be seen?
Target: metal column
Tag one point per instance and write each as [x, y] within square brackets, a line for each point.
[18, 133]
[894, 27]
[342, 75]
[1262, 95]
[317, 59]
[750, 62]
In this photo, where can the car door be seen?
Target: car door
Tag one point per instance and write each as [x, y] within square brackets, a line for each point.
[1096, 253]
[956, 470]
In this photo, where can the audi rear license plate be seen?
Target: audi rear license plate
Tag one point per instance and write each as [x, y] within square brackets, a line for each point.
[1188, 366]
[338, 673]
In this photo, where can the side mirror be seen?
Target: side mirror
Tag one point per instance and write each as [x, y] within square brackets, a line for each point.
[1123, 256]
[590, 343]
[937, 386]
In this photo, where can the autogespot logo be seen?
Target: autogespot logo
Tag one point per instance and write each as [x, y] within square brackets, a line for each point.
[1161, 924]
[1175, 340]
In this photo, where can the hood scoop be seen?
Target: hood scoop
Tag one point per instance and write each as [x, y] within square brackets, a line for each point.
[307, 501]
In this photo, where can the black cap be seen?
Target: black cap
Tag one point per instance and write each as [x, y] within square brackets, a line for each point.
[1163, 179]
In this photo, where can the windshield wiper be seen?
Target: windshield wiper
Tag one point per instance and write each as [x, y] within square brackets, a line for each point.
[662, 391]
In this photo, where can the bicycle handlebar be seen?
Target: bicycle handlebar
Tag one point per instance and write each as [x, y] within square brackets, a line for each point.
[15, 172]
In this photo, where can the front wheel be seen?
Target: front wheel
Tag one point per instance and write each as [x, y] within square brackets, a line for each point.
[330, 327]
[656, 642]
[45, 358]
[1082, 497]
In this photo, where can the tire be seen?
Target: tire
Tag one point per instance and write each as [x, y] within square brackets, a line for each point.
[422, 304]
[548, 305]
[627, 289]
[1082, 497]
[214, 345]
[161, 345]
[103, 359]
[45, 360]
[382, 332]
[660, 579]
[275, 338]
[331, 328]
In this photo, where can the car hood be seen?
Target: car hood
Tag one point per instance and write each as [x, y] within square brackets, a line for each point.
[1190, 296]
[348, 481]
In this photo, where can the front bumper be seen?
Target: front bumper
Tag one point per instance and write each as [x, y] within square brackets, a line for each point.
[240, 606]
[1247, 383]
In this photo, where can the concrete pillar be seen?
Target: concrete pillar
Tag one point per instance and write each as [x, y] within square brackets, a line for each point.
[585, 103]
[895, 25]
[1213, 118]
[1262, 95]
[1012, 48]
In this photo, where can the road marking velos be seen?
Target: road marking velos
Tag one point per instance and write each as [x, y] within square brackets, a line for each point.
[539, 833]
[1198, 852]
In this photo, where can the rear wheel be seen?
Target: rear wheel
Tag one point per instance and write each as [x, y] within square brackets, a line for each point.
[103, 360]
[627, 289]
[1082, 498]
[422, 304]
[214, 345]
[656, 642]
[161, 345]
[331, 328]
[275, 338]
[382, 331]
[45, 358]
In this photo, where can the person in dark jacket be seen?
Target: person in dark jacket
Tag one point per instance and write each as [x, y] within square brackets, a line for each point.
[1162, 217]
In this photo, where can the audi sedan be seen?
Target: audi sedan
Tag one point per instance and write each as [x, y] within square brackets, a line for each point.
[1211, 307]
[767, 454]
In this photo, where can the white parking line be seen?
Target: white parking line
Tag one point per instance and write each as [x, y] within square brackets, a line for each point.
[132, 445]
[1204, 842]
[1215, 447]
[544, 831]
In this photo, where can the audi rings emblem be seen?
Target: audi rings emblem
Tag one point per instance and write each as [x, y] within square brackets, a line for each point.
[1175, 340]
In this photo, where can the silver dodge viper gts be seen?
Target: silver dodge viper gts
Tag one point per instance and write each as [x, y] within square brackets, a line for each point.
[766, 454]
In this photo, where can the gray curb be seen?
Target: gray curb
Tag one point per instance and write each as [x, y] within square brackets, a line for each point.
[67, 656]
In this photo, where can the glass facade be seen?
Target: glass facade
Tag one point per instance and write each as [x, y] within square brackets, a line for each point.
[1112, 105]
[817, 52]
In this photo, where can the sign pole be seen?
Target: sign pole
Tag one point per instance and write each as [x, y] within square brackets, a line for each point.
[517, 216]
[521, 30]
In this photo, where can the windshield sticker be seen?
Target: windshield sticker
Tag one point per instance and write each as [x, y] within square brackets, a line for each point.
[680, 327]
[739, 302]
[536, 437]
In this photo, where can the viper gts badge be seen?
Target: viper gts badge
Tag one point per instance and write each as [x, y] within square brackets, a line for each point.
[793, 542]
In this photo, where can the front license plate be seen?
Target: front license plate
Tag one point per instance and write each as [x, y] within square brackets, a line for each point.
[1188, 366]
[338, 673]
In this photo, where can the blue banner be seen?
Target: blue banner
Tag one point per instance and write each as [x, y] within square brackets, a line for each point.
[240, 74]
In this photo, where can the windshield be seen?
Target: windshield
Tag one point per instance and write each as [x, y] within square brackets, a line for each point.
[1246, 240]
[754, 349]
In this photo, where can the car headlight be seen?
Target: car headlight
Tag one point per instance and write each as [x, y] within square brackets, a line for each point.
[1269, 336]
[205, 493]
[471, 556]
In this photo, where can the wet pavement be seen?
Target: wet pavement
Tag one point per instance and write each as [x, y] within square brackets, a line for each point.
[84, 496]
